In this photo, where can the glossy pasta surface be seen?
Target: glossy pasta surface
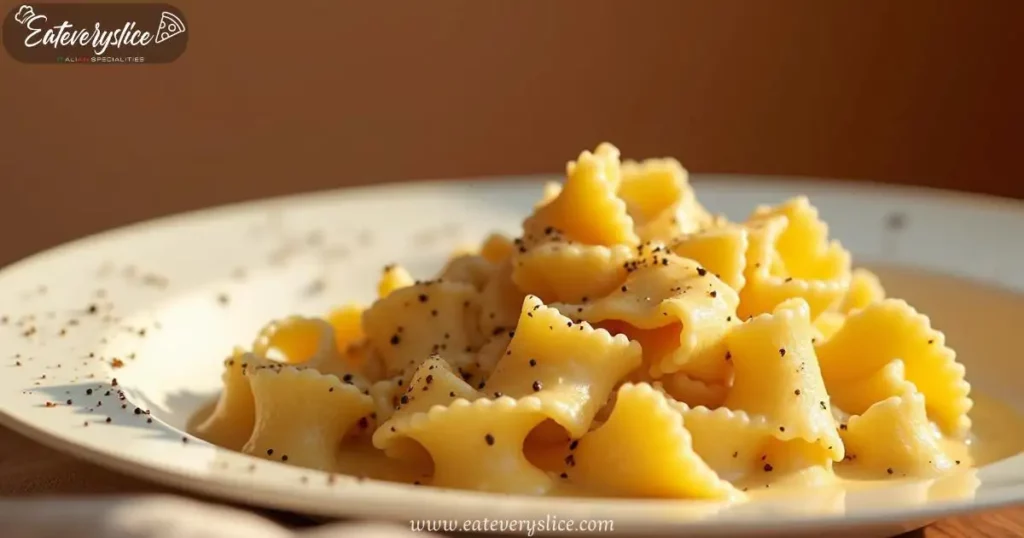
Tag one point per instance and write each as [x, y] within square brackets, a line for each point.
[627, 343]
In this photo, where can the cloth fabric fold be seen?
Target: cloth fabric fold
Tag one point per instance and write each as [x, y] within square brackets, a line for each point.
[47, 494]
[162, 516]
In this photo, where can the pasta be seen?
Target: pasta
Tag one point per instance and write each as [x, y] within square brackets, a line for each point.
[626, 343]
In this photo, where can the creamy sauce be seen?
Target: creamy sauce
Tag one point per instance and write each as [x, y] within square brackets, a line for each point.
[978, 321]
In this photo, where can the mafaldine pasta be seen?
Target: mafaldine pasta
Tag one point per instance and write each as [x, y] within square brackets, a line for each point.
[628, 343]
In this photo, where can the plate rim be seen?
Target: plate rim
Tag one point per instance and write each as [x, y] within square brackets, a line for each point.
[205, 483]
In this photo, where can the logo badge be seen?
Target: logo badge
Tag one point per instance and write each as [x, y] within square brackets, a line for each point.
[95, 33]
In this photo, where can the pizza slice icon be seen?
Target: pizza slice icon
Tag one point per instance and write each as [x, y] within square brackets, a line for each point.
[170, 26]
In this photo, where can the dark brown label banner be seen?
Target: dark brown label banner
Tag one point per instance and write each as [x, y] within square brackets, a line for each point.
[95, 34]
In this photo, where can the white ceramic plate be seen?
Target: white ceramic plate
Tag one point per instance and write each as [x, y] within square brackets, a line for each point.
[169, 299]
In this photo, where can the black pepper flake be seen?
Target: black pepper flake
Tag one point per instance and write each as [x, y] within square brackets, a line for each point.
[149, 421]
[570, 460]
[533, 362]
[424, 298]
[184, 439]
[842, 427]
[113, 382]
[768, 468]
[68, 402]
[88, 391]
[782, 428]
[575, 443]
[138, 411]
[284, 457]
[702, 271]
[330, 389]
[490, 439]
[735, 454]
[624, 288]
[782, 352]
[404, 399]
[364, 422]
[433, 313]
[347, 378]
[109, 420]
[537, 386]
[497, 394]
[889, 470]
[931, 341]
[728, 355]
[797, 392]
[713, 293]
[822, 404]
[395, 339]
[451, 394]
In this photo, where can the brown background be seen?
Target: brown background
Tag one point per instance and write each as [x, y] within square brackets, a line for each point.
[311, 95]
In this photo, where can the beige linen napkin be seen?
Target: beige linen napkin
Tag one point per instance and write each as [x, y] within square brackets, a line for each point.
[46, 494]
[161, 516]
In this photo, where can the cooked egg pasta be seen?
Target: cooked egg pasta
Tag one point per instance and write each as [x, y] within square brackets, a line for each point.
[312, 343]
[894, 437]
[558, 272]
[677, 310]
[410, 323]
[776, 375]
[571, 368]
[627, 343]
[231, 421]
[789, 256]
[660, 199]
[587, 209]
[474, 445]
[722, 250]
[286, 430]
[746, 449]
[694, 392]
[890, 329]
[644, 450]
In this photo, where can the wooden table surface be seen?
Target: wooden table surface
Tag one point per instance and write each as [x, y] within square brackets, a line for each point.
[30, 469]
